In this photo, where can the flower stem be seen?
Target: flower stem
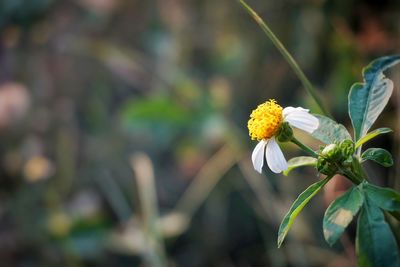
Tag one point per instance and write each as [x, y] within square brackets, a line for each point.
[304, 147]
[288, 57]
[352, 177]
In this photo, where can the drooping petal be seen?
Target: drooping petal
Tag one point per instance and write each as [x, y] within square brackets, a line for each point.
[257, 157]
[275, 159]
[300, 118]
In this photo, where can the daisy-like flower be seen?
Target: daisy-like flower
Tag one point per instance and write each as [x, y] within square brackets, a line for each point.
[265, 123]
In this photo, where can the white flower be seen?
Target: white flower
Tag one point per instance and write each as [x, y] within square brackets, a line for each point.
[264, 124]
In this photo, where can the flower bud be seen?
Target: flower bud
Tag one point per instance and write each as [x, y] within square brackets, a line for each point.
[328, 159]
[347, 148]
[325, 167]
[285, 133]
[332, 153]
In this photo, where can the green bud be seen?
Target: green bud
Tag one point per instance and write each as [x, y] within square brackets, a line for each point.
[332, 153]
[335, 155]
[347, 148]
[348, 162]
[285, 133]
[325, 167]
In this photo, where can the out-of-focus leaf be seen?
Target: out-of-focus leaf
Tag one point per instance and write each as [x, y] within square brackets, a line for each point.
[299, 162]
[340, 213]
[372, 135]
[385, 198]
[368, 99]
[158, 119]
[379, 155]
[161, 116]
[375, 243]
[297, 207]
[155, 110]
[330, 131]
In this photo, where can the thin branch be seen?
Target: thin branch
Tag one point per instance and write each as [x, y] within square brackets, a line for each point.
[288, 57]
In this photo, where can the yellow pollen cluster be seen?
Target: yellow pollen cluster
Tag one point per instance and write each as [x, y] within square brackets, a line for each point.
[265, 120]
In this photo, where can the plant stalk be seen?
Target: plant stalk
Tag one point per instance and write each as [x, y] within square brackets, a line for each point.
[351, 176]
[304, 147]
[288, 57]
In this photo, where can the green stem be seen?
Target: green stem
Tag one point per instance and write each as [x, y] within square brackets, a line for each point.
[352, 177]
[304, 147]
[288, 57]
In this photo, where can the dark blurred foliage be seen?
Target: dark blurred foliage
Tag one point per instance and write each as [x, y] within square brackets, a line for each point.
[96, 96]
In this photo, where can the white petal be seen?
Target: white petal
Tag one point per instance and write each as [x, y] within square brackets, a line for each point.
[274, 156]
[286, 111]
[257, 157]
[300, 118]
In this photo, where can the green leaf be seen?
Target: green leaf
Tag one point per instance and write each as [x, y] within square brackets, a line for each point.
[375, 243]
[340, 213]
[297, 206]
[368, 99]
[372, 135]
[330, 131]
[296, 162]
[379, 155]
[385, 198]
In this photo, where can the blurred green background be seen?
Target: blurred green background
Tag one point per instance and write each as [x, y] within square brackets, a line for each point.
[123, 128]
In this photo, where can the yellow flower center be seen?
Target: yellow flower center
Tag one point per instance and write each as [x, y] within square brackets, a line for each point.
[265, 120]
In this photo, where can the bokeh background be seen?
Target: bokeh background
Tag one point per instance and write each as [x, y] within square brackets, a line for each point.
[123, 128]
